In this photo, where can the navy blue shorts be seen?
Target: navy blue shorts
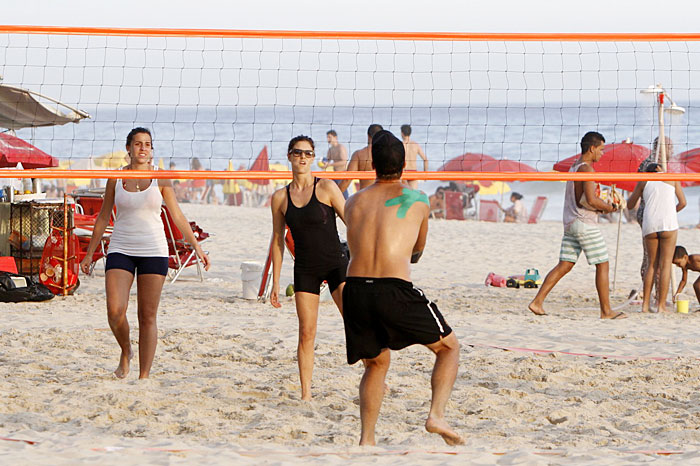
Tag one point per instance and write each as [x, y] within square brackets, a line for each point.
[136, 264]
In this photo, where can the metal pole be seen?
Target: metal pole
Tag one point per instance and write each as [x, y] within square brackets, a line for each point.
[662, 138]
[617, 246]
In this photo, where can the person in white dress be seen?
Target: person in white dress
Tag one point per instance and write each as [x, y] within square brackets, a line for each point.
[662, 202]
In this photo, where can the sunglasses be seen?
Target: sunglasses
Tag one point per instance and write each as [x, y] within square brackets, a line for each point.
[309, 154]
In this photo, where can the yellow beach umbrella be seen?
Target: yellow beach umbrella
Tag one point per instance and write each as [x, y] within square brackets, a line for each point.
[161, 165]
[279, 167]
[231, 186]
[77, 164]
[116, 159]
[496, 187]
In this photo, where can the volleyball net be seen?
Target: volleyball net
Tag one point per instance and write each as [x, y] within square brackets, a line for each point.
[224, 104]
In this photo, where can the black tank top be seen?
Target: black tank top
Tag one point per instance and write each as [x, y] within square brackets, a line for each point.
[316, 243]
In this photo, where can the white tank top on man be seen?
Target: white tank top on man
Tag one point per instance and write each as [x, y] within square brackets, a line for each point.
[659, 207]
[138, 228]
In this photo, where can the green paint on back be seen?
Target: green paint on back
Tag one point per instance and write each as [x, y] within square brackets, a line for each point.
[406, 200]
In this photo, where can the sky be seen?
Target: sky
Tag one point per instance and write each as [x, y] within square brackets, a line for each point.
[366, 15]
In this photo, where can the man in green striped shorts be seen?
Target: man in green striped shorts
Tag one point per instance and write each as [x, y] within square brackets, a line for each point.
[581, 233]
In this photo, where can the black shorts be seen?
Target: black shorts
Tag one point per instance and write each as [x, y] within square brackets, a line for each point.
[134, 264]
[310, 281]
[387, 313]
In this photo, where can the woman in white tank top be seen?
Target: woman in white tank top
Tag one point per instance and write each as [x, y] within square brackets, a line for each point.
[137, 248]
[660, 230]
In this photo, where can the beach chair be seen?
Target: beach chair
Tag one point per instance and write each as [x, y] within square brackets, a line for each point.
[488, 210]
[180, 254]
[8, 264]
[84, 226]
[454, 205]
[537, 209]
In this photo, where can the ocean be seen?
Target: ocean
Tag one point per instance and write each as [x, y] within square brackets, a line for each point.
[538, 135]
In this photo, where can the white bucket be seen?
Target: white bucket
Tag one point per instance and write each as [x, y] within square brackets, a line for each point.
[251, 274]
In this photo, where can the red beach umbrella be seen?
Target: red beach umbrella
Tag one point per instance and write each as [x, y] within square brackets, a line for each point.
[469, 162]
[686, 162]
[617, 157]
[261, 164]
[474, 162]
[14, 150]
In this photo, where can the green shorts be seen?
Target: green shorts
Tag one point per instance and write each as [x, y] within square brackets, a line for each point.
[579, 237]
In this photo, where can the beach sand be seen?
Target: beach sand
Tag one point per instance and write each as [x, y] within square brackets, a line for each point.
[224, 385]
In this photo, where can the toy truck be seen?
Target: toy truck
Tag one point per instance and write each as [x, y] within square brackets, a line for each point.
[531, 279]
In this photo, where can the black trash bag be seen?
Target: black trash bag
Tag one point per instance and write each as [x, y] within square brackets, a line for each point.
[10, 293]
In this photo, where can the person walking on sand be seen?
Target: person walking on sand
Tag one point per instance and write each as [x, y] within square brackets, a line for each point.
[413, 150]
[581, 232]
[660, 229]
[387, 226]
[361, 160]
[138, 248]
[308, 207]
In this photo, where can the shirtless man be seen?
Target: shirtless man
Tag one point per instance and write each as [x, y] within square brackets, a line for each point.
[387, 226]
[361, 160]
[413, 149]
[337, 156]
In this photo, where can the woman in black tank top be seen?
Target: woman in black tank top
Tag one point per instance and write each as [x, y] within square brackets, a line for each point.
[307, 206]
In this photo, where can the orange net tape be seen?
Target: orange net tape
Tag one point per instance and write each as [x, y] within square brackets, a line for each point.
[356, 35]
[347, 175]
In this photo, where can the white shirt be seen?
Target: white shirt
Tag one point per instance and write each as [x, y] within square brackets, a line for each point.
[138, 228]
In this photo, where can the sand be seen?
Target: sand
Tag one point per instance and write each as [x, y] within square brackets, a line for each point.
[224, 385]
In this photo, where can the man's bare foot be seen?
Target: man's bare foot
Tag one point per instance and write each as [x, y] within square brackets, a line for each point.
[663, 309]
[440, 426]
[124, 361]
[536, 309]
[613, 316]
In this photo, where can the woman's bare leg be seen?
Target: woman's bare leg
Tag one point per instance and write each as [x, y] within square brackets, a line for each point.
[117, 285]
[150, 287]
[307, 311]
[652, 244]
[667, 246]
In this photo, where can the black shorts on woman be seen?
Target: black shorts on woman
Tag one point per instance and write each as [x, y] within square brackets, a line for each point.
[137, 264]
[318, 255]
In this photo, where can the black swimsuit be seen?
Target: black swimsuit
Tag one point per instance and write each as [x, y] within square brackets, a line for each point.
[317, 250]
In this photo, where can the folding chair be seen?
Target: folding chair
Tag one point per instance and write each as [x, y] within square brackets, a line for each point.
[454, 205]
[84, 226]
[537, 209]
[180, 254]
[488, 210]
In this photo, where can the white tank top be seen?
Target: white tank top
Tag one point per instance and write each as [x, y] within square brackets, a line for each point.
[659, 208]
[138, 229]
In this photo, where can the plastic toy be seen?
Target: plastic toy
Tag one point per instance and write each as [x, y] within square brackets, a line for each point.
[498, 281]
[531, 279]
